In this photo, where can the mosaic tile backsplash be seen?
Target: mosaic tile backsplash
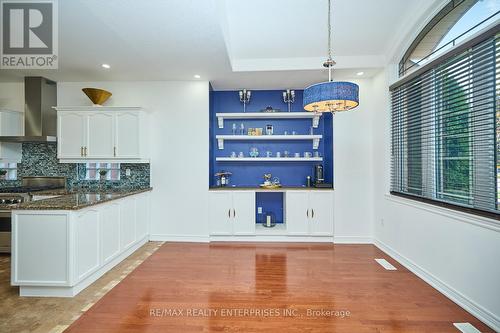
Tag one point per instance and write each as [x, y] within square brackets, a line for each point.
[40, 159]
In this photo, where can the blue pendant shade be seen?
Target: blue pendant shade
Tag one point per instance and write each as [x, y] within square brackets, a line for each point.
[331, 97]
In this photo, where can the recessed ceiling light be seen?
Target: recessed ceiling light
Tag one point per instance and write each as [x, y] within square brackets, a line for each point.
[106, 66]
[196, 76]
[360, 73]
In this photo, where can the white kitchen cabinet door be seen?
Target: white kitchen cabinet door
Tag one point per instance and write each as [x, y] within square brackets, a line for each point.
[321, 222]
[127, 137]
[100, 134]
[71, 127]
[87, 243]
[243, 214]
[127, 222]
[297, 213]
[142, 219]
[220, 213]
[110, 230]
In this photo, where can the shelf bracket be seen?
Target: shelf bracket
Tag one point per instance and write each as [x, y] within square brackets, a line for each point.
[315, 143]
[315, 120]
[220, 121]
[220, 143]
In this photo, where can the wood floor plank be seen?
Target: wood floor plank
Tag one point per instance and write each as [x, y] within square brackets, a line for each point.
[271, 287]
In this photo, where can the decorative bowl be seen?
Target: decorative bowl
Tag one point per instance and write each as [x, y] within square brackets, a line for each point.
[97, 96]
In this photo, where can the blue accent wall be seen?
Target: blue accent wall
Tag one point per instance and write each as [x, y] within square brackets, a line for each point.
[271, 202]
[251, 173]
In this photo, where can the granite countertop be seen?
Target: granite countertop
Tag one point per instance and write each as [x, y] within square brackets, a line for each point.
[57, 191]
[77, 200]
[257, 188]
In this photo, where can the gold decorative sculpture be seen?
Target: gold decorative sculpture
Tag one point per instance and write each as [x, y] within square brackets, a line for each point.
[97, 96]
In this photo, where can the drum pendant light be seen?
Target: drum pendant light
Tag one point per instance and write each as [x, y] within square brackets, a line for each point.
[331, 96]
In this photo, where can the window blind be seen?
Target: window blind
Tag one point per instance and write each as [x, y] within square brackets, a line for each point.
[445, 129]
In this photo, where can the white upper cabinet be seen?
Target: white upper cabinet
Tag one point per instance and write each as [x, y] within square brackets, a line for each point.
[127, 134]
[11, 124]
[114, 134]
[100, 136]
[71, 133]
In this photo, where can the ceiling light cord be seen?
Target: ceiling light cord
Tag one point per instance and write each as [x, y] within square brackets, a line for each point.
[329, 30]
[329, 63]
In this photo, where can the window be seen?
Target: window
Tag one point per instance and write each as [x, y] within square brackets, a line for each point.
[8, 171]
[458, 20]
[102, 171]
[446, 128]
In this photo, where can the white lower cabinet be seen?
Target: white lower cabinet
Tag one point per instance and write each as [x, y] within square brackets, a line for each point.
[59, 253]
[127, 222]
[110, 240]
[87, 247]
[232, 213]
[309, 213]
[321, 217]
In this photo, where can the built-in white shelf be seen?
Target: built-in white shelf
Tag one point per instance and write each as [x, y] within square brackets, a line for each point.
[269, 115]
[278, 229]
[269, 159]
[315, 138]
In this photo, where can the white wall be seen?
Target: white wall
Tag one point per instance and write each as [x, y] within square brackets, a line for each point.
[353, 171]
[179, 148]
[12, 96]
[456, 253]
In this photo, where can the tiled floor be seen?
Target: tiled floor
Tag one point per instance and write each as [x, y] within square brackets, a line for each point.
[36, 314]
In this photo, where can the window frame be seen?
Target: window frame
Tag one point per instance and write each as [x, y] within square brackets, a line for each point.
[99, 167]
[9, 169]
[400, 168]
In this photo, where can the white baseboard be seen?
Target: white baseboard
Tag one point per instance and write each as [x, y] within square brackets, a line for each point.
[178, 238]
[352, 240]
[273, 238]
[261, 238]
[476, 310]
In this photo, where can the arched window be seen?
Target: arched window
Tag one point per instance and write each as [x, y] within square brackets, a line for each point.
[455, 22]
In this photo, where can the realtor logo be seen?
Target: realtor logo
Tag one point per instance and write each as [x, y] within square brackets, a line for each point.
[29, 34]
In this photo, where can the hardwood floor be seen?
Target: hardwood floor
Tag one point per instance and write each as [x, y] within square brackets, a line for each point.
[242, 287]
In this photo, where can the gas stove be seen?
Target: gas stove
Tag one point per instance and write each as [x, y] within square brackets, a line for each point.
[10, 200]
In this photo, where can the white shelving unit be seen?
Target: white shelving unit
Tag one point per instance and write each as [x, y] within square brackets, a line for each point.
[315, 138]
[269, 115]
[269, 159]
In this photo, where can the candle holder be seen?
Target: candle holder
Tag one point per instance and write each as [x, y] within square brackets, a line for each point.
[289, 98]
[245, 97]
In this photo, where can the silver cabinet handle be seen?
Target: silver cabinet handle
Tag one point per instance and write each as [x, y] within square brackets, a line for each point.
[85, 151]
[114, 151]
[307, 212]
[234, 212]
[312, 213]
[229, 212]
[81, 151]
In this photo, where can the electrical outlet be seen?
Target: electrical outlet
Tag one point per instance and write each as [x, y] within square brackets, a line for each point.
[259, 210]
[127, 172]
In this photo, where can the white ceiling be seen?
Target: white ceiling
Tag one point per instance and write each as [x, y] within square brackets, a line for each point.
[232, 43]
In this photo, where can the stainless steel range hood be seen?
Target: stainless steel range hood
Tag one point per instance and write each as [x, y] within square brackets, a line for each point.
[40, 119]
